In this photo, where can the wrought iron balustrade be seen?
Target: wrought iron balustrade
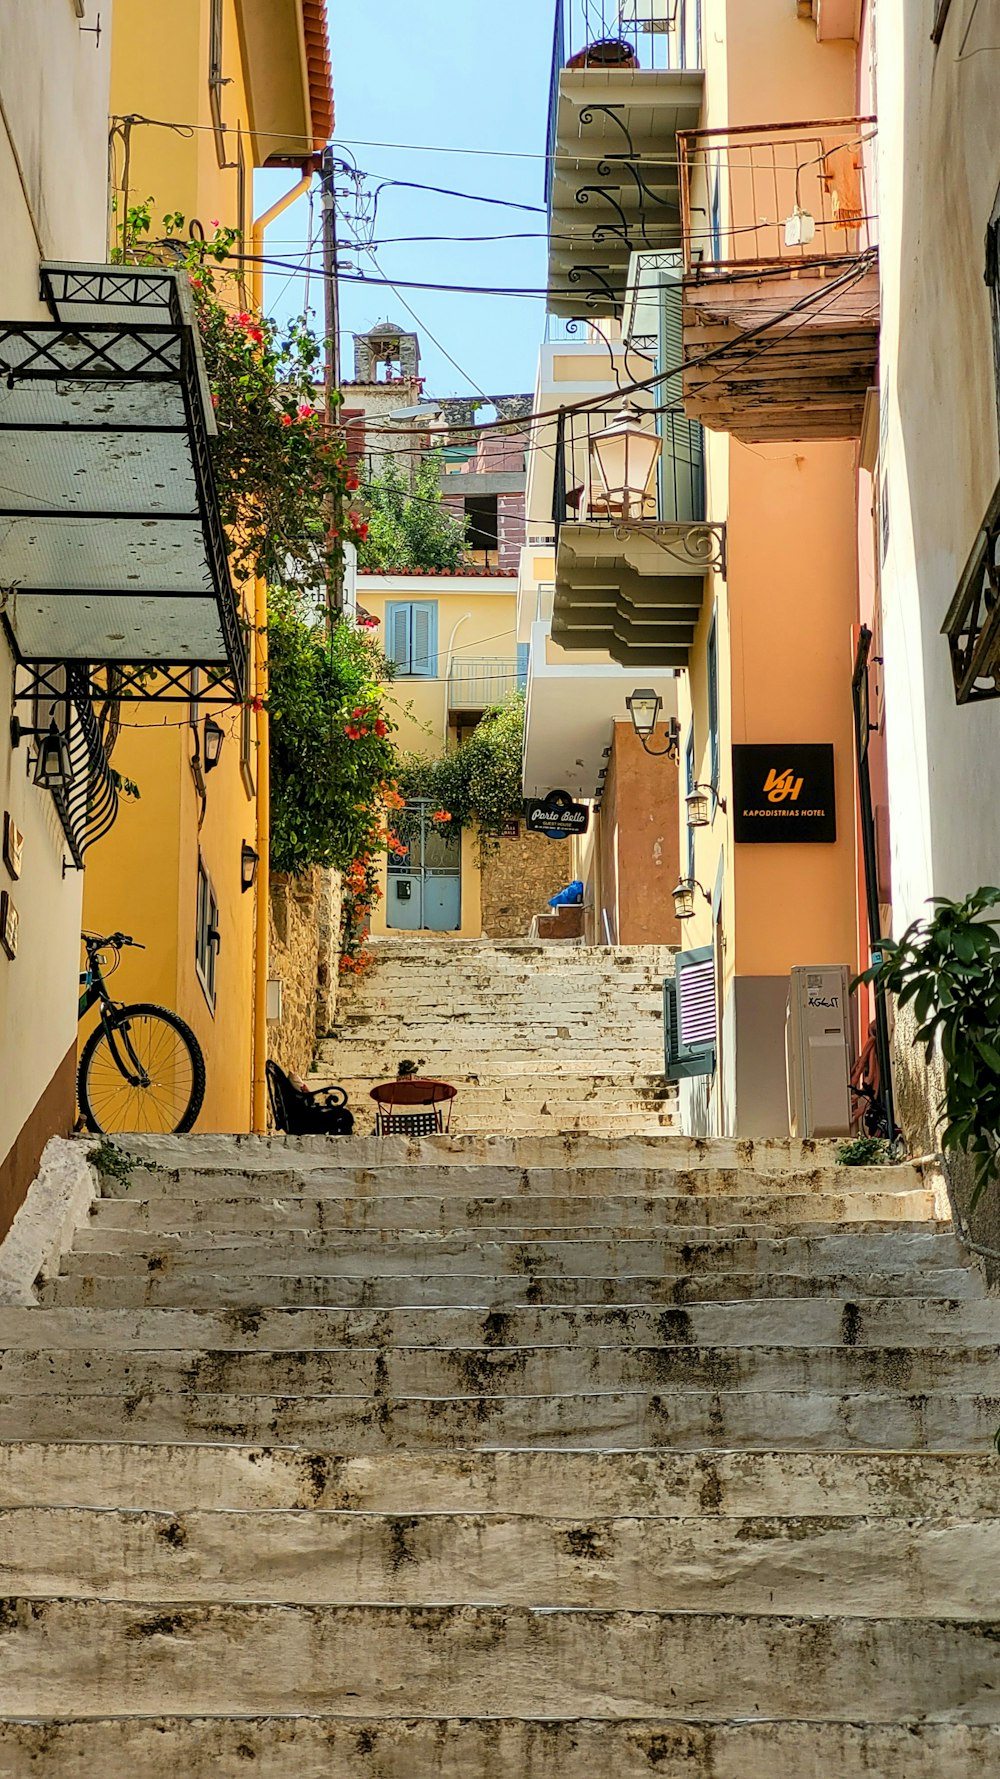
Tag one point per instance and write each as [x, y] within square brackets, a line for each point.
[677, 495]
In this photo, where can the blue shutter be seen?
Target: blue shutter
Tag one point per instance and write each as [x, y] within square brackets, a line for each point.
[423, 644]
[522, 665]
[689, 1015]
[713, 702]
[397, 636]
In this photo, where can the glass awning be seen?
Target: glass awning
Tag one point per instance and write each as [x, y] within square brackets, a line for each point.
[112, 549]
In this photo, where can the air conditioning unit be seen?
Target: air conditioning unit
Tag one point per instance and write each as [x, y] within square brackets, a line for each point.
[818, 1051]
[649, 15]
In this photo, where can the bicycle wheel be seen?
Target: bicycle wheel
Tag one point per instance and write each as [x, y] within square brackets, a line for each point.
[166, 1066]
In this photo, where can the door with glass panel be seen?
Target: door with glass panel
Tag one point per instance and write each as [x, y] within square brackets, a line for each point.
[424, 892]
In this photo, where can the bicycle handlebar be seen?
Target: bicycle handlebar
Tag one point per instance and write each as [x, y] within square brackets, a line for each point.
[116, 940]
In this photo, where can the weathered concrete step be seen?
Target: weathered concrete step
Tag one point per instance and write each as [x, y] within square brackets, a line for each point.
[628, 1420]
[272, 1747]
[469, 1183]
[502, 1370]
[802, 1321]
[528, 1213]
[262, 1154]
[473, 1660]
[350, 1254]
[254, 1289]
[838, 1566]
[588, 1484]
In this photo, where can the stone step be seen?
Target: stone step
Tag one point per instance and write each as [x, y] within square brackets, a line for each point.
[690, 1419]
[587, 1484]
[501, 1371]
[397, 1662]
[365, 1253]
[827, 1564]
[530, 1215]
[256, 1288]
[860, 1323]
[263, 1154]
[473, 1183]
[485, 1748]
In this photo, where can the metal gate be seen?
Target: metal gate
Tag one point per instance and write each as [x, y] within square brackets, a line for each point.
[425, 886]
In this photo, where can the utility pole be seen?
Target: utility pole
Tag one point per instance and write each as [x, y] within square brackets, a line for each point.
[331, 376]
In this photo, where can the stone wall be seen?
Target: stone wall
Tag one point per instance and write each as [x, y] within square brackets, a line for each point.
[304, 955]
[517, 883]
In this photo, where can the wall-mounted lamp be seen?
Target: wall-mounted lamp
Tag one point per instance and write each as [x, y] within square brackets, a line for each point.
[683, 896]
[644, 707]
[215, 735]
[624, 457]
[53, 768]
[249, 860]
[698, 807]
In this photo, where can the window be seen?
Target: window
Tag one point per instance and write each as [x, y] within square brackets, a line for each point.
[689, 783]
[689, 1015]
[215, 79]
[206, 936]
[713, 704]
[483, 537]
[411, 637]
[523, 651]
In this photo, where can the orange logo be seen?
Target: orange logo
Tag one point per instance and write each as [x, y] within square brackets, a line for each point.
[782, 787]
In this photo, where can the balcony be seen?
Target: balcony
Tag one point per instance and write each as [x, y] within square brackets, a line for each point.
[631, 574]
[781, 293]
[573, 702]
[626, 77]
[477, 683]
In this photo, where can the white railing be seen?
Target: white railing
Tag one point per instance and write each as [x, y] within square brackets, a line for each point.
[481, 680]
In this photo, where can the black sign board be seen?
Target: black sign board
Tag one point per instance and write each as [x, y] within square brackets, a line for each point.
[556, 815]
[784, 794]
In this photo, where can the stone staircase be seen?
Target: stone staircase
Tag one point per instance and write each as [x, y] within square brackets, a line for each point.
[502, 1457]
[535, 1036]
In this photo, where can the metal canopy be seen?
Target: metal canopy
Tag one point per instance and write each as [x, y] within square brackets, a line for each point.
[112, 549]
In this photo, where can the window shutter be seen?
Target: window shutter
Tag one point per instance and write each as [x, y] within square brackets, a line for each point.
[522, 665]
[423, 657]
[397, 635]
[713, 702]
[689, 1017]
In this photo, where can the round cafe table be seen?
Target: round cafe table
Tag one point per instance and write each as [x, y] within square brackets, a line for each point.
[412, 1106]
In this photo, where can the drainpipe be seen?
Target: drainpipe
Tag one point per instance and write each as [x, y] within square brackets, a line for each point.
[447, 670]
[263, 808]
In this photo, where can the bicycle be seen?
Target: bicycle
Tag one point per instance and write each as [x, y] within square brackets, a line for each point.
[141, 1068]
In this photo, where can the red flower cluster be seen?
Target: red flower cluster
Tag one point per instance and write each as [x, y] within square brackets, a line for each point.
[441, 815]
[369, 623]
[362, 723]
[250, 327]
[396, 846]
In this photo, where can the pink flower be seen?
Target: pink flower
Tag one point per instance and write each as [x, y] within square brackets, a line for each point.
[305, 411]
[214, 222]
[286, 419]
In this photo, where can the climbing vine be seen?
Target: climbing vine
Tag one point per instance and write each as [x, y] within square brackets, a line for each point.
[477, 785]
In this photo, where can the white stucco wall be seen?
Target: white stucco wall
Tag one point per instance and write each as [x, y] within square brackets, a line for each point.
[53, 199]
[939, 172]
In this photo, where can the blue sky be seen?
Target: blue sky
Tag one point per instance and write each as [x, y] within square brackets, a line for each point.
[440, 74]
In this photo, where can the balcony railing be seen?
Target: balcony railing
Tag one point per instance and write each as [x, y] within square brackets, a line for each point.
[621, 35]
[678, 495]
[776, 196]
[482, 681]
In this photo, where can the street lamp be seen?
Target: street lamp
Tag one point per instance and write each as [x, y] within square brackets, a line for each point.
[624, 456]
[53, 769]
[215, 735]
[683, 895]
[697, 801]
[249, 860]
[644, 707]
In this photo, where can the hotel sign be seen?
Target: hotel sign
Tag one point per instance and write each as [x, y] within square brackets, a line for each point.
[784, 795]
[556, 815]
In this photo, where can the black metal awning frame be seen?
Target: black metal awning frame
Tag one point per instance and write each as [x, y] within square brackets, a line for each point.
[972, 624]
[124, 352]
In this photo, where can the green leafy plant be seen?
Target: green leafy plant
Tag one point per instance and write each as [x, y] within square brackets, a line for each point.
[286, 488]
[331, 752]
[478, 784]
[113, 1163]
[866, 1152]
[948, 968]
[408, 526]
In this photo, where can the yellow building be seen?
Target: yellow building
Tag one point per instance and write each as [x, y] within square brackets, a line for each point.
[237, 84]
[452, 639]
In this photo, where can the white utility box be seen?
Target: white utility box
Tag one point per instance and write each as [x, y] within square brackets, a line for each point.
[819, 1051]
